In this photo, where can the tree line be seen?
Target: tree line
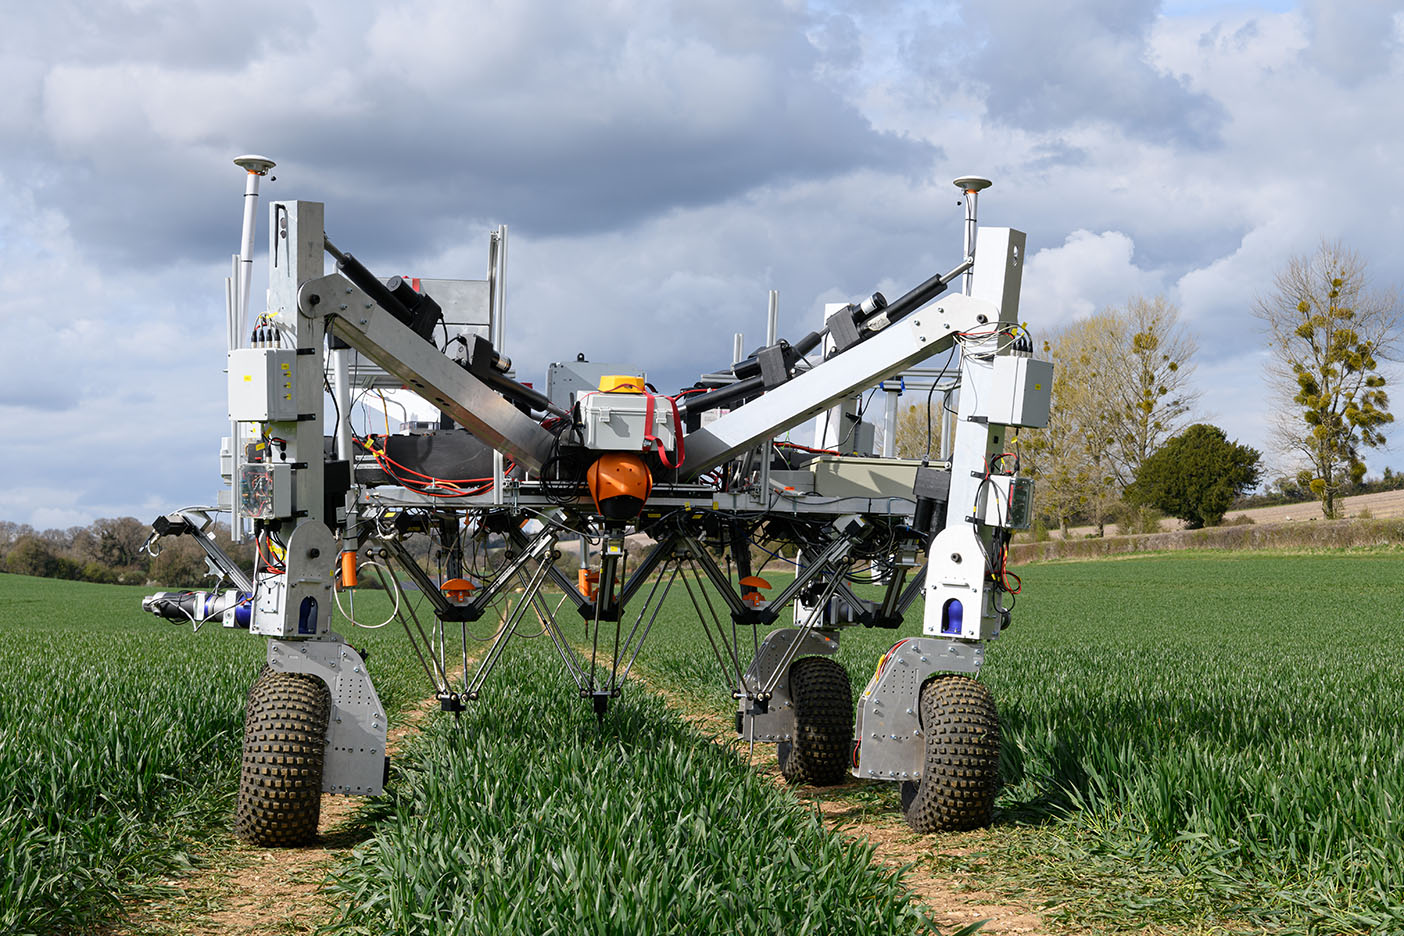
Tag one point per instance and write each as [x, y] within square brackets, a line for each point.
[111, 551]
[1123, 444]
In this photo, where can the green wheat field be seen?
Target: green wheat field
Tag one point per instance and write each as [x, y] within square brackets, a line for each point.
[1196, 742]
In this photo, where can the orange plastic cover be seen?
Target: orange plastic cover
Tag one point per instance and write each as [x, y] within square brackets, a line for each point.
[619, 474]
[457, 589]
[348, 570]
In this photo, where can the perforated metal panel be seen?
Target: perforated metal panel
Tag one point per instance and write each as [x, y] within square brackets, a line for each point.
[355, 758]
[891, 743]
[778, 722]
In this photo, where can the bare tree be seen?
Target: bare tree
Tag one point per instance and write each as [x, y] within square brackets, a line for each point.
[919, 430]
[1121, 388]
[1328, 331]
[1057, 457]
[1149, 389]
[1070, 458]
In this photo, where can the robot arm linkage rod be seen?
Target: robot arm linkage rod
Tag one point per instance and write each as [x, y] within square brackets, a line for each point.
[896, 348]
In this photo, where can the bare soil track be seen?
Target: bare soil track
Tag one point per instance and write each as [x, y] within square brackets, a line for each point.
[951, 900]
[244, 890]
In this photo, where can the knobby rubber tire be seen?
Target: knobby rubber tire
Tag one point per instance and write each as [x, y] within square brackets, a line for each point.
[823, 740]
[285, 740]
[960, 772]
[263, 672]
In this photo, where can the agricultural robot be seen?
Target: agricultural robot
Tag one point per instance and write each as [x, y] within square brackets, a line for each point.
[657, 492]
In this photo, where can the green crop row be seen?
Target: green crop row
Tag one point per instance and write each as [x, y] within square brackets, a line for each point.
[119, 745]
[1190, 739]
[528, 816]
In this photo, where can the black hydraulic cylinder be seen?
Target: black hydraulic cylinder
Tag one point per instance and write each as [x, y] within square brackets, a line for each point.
[354, 270]
[722, 396]
[810, 341]
[918, 297]
[425, 313]
[484, 363]
[416, 310]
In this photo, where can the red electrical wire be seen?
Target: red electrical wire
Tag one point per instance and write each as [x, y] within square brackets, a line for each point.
[268, 565]
[483, 485]
[806, 448]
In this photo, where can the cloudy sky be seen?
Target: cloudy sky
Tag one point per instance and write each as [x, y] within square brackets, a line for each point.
[661, 166]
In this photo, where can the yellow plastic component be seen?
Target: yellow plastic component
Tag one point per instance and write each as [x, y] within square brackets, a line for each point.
[621, 383]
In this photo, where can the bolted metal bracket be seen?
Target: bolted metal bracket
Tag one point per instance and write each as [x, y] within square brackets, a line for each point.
[891, 745]
[355, 759]
[771, 718]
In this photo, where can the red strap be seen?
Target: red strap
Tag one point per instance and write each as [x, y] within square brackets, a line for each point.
[649, 437]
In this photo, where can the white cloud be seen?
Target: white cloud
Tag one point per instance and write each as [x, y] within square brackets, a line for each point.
[1087, 272]
[662, 166]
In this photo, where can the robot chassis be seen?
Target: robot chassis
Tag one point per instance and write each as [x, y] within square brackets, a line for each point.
[699, 474]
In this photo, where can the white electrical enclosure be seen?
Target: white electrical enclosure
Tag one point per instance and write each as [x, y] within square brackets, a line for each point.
[615, 422]
[262, 385]
[1021, 392]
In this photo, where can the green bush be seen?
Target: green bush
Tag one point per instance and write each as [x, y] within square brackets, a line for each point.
[1196, 476]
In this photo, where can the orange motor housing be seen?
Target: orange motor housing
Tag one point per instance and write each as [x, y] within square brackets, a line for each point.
[619, 482]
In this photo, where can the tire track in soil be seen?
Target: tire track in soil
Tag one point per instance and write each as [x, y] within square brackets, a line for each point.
[243, 890]
[951, 899]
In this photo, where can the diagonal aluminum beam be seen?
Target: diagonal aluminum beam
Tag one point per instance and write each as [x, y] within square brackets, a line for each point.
[354, 318]
[894, 349]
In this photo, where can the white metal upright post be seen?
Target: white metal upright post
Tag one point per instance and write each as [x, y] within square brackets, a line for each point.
[498, 280]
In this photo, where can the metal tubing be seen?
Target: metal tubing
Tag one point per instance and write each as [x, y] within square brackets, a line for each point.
[913, 592]
[915, 298]
[558, 577]
[809, 626]
[426, 586]
[722, 396]
[706, 628]
[655, 557]
[563, 648]
[893, 595]
[218, 556]
[836, 550]
[246, 248]
[414, 645]
[656, 608]
[341, 390]
[971, 186]
[772, 319]
[889, 427]
[716, 575]
[542, 540]
[509, 627]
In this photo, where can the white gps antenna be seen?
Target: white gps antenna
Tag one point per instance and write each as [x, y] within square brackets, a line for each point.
[256, 167]
[972, 186]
